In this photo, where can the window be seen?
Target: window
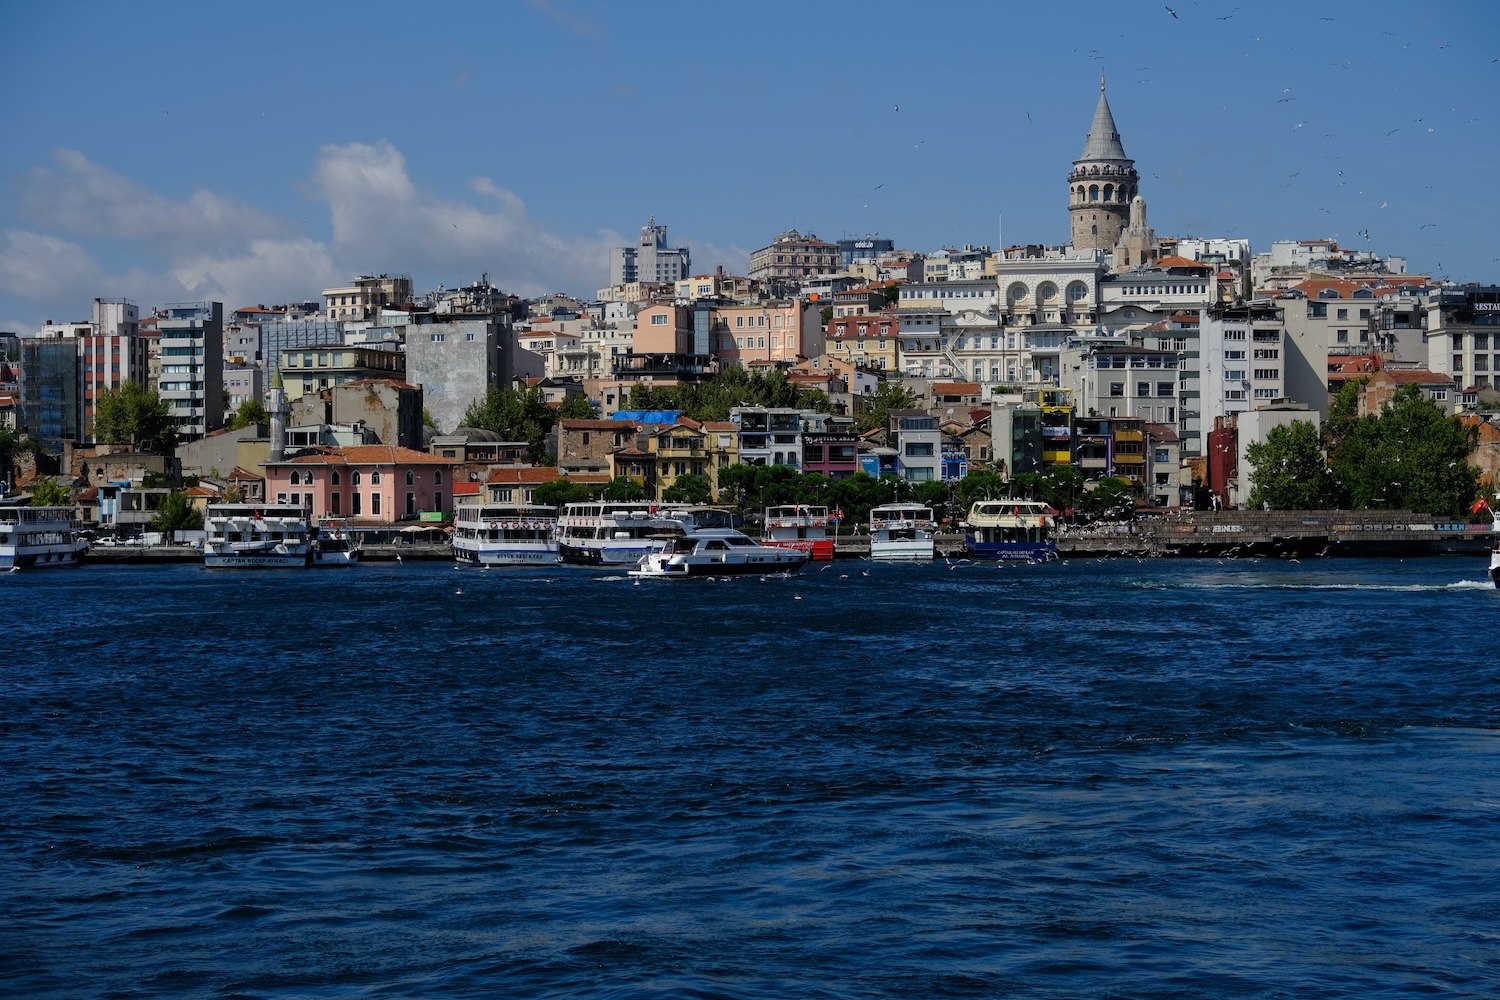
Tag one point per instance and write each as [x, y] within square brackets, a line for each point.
[1268, 374]
[1234, 375]
[438, 338]
[374, 503]
[468, 336]
[919, 449]
[411, 505]
[1267, 353]
[410, 477]
[1342, 314]
[375, 478]
[437, 477]
[335, 503]
[1143, 388]
[1458, 362]
[659, 319]
[1342, 337]
[333, 477]
[1160, 455]
[354, 477]
[1166, 389]
[1115, 388]
[354, 505]
[585, 437]
[437, 501]
[1482, 341]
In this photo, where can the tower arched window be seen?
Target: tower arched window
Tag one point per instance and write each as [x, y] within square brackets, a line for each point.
[1093, 192]
[1109, 192]
[1096, 230]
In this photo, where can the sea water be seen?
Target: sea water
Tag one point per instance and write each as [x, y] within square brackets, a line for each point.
[1177, 778]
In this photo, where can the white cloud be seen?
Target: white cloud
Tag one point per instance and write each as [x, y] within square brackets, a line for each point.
[41, 268]
[91, 201]
[211, 245]
[383, 222]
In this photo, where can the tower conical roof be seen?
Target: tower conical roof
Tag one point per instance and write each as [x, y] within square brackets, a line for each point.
[1104, 139]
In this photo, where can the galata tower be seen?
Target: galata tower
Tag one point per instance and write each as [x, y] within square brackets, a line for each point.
[1101, 184]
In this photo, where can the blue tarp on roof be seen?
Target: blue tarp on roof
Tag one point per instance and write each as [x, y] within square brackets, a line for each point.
[647, 416]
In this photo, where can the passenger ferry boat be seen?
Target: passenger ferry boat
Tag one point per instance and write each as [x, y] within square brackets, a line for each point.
[618, 533]
[505, 535]
[335, 546]
[256, 535]
[38, 537]
[799, 526]
[902, 531]
[717, 552]
[1011, 529]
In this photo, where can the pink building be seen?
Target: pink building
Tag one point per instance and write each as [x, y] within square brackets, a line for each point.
[375, 483]
[663, 329]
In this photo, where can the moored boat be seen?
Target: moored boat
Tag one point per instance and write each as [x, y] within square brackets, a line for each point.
[717, 552]
[1495, 565]
[245, 535]
[618, 533]
[902, 531]
[40, 537]
[505, 535]
[799, 526]
[1011, 529]
[333, 545]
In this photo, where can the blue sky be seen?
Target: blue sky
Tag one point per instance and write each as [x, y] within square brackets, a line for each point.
[256, 153]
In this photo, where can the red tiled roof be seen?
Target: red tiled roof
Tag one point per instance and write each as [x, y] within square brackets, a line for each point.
[529, 475]
[1183, 262]
[239, 475]
[955, 388]
[366, 454]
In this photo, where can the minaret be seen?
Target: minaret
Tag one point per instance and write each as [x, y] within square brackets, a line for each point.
[1101, 184]
[276, 409]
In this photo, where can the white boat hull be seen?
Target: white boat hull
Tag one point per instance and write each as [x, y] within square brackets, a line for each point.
[42, 557]
[910, 550]
[539, 554]
[267, 560]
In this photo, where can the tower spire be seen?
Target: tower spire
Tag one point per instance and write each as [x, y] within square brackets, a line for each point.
[1101, 81]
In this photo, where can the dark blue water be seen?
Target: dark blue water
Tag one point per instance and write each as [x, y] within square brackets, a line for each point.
[1116, 779]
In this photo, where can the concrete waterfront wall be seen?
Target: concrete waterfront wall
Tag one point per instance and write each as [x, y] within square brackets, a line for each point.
[1295, 533]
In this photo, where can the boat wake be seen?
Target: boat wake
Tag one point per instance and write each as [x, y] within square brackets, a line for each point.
[1281, 585]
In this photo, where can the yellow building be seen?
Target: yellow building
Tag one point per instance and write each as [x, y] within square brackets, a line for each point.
[692, 448]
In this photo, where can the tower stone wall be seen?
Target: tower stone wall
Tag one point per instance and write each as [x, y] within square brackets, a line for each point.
[1101, 184]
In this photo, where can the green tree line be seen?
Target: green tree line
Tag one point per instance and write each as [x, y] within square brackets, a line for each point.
[1409, 456]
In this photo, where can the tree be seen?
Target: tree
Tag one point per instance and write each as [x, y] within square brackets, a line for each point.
[982, 485]
[576, 407]
[1410, 456]
[514, 415]
[891, 395]
[47, 492]
[561, 492]
[1112, 497]
[251, 412]
[825, 316]
[176, 513]
[623, 488]
[11, 445]
[688, 488]
[892, 294]
[1290, 472]
[135, 416]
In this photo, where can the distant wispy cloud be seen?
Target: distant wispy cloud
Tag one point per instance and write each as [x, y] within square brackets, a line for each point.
[562, 12]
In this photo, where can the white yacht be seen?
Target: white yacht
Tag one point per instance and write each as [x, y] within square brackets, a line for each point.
[902, 531]
[717, 552]
[616, 533]
[333, 545]
[37, 537]
[505, 535]
[256, 535]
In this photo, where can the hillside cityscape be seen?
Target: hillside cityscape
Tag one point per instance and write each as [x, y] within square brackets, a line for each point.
[1147, 371]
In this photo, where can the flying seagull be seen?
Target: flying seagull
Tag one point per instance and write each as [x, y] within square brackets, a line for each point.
[1172, 12]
